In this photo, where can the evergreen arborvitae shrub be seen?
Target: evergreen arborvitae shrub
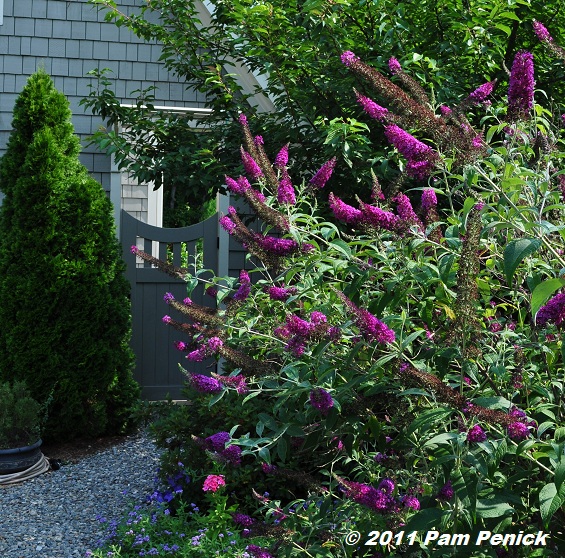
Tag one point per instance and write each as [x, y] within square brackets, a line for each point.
[64, 306]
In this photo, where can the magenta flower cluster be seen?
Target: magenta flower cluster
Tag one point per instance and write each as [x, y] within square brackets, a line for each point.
[252, 169]
[298, 331]
[371, 327]
[405, 210]
[348, 58]
[204, 384]
[321, 400]
[428, 200]
[480, 94]
[521, 86]
[281, 293]
[371, 108]
[446, 492]
[244, 286]
[420, 158]
[213, 483]
[476, 434]
[553, 311]
[324, 173]
[394, 66]
[285, 190]
[541, 32]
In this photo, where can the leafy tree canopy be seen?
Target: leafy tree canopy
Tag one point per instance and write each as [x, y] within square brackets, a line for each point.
[294, 47]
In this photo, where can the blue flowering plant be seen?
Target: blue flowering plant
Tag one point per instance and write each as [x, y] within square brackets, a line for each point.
[404, 347]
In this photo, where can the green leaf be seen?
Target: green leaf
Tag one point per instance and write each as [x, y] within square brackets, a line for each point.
[426, 419]
[550, 501]
[559, 475]
[342, 247]
[441, 438]
[425, 520]
[543, 291]
[515, 252]
[282, 449]
[493, 508]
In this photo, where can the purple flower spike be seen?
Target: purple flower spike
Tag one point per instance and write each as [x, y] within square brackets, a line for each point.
[250, 165]
[421, 159]
[244, 286]
[344, 212]
[394, 66]
[445, 110]
[237, 186]
[518, 431]
[476, 434]
[323, 175]
[218, 441]
[541, 32]
[552, 311]
[387, 486]
[281, 160]
[205, 384]
[242, 119]
[285, 191]
[227, 224]
[348, 58]
[521, 87]
[411, 502]
[429, 199]
[371, 108]
[321, 400]
[481, 93]
[446, 492]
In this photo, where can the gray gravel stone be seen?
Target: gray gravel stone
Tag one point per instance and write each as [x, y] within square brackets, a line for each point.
[55, 514]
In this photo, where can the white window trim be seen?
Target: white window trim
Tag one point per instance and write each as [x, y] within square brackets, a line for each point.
[1, 12]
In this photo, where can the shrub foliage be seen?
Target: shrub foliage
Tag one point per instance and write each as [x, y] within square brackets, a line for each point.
[64, 305]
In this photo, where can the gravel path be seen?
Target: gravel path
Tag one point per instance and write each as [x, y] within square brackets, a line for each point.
[54, 515]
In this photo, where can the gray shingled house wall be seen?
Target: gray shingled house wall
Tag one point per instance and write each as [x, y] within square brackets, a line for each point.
[68, 39]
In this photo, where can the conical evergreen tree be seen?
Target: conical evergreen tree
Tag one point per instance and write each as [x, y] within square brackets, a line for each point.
[64, 306]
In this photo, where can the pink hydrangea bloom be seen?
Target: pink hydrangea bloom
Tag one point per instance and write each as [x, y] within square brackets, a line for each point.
[213, 483]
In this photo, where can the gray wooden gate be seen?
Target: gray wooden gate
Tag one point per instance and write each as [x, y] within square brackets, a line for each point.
[152, 341]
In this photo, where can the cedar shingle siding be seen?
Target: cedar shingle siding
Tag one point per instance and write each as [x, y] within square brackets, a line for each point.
[69, 38]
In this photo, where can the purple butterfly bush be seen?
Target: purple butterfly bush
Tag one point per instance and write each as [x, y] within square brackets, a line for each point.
[446, 492]
[541, 32]
[204, 384]
[420, 158]
[521, 86]
[480, 94]
[281, 293]
[476, 434]
[344, 212]
[252, 169]
[321, 400]
[394, 66]
[281, 160]
[285, 190]
[244, 286]
[218, 441]
[553, 311]
[371, 108]
[324, 173]
[428, 200]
